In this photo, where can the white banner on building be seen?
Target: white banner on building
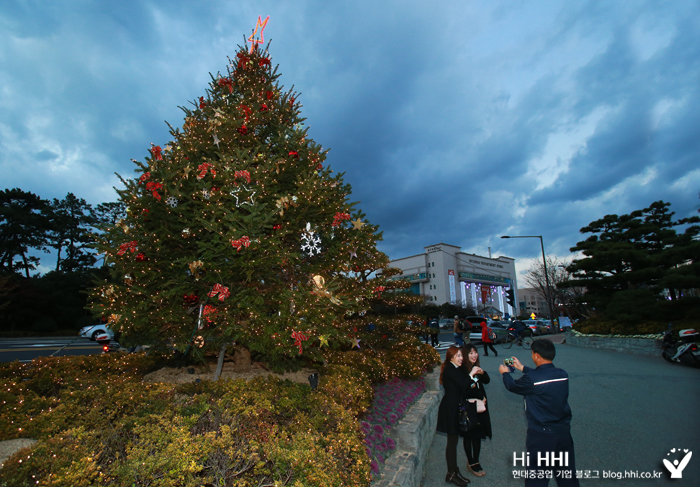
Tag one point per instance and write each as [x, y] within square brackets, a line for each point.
[453, 291]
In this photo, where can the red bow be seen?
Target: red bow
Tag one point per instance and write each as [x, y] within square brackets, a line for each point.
[242, 174]
[144, 177]
[379, 289]
[298, 338]
[242, 60]
[339, 217]
[202, 104]
[226, 82]
[269, 95]
[294, 154]
[264, 62]
[241, 242]
[242, 130]
[263, 107]
[127, 246]
[245, 109]
[222, 291]
[203, 168]
[156, 152]
[154, 187]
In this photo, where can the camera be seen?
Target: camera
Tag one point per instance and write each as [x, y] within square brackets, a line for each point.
[508, 361]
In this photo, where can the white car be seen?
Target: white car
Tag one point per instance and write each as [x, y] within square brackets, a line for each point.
[94, 331]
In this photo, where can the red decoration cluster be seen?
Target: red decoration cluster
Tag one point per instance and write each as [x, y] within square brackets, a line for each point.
[141, 257]
[339, 218]
[154, 187]
[242, 60]
[243, 130]
[264, 62]
[191, 299]
[228, 82]
[209, 312]
[203, 168]
[269, 95]
[144, 177]
[156, 152]
[240, 243]
[263, 107]
[127, 246]
[222, 291]
[246, 110]
[294, 154]
[202, 103]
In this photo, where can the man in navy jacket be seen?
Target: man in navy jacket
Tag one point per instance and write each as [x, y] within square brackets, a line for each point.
[550, 448]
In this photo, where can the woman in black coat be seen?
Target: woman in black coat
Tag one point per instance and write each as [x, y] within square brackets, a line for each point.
[456, 383]
[477, 379]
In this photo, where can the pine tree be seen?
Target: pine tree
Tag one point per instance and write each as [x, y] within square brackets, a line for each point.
[240, 220]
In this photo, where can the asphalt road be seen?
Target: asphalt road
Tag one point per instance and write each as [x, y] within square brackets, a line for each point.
[27, 349]
[629, 412]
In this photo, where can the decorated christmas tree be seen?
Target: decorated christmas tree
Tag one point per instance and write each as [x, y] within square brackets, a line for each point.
[238, 231]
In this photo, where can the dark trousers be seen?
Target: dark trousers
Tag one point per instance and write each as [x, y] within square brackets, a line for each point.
[489, 345]
[434, 339]
[451, 453]
[472, 448]
[547, 443]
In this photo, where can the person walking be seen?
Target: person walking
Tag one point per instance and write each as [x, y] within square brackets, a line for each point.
[487, 339]
[546, 393]
[434, 331]
[478, 378]
[459, 333]
[455, 383]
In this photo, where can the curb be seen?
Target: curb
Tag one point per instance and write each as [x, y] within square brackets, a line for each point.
[414, 436]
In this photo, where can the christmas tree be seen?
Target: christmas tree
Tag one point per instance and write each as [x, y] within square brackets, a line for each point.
[238, 231]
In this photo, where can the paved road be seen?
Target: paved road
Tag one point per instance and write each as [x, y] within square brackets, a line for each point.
[628, 413]
[26, 349]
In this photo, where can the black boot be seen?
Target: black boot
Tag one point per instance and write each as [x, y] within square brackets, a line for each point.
[456, 478]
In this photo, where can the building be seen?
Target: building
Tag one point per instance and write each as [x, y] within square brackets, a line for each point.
[445, 274]
[530, 300]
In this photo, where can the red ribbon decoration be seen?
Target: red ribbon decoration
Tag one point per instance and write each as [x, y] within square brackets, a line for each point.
[144, 177]
[294, 154]
[269, 95]
[127, 246]
[154, 187]
[225, 82]
[263, 107]
[339, 218]
[242, 60]
[191, 299]
[240, 243]
[222, 291]
[202, 103]
[246, 110]
[242, 130]
[203, 168]
[264, 62]
[298, 338]
[242, 174]
[379, 289]
[156, 151]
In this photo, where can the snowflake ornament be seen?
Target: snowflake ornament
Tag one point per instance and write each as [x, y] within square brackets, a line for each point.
[171, 201]
[206, 194]
[311, 242]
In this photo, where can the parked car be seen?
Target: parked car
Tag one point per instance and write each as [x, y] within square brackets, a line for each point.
[549, 326]
[500, 329]
[447, 324]
[94, 331]
[537, 326]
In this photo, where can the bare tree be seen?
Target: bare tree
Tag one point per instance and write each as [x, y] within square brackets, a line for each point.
[560, 292]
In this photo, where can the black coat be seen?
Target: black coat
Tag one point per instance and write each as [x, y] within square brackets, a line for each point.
[456, 384]
[476, 390]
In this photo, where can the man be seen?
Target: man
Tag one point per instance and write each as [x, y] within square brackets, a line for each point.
[434, 330]
[549, 444]
[459, 333]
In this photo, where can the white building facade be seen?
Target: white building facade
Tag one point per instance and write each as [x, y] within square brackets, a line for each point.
[445, 274]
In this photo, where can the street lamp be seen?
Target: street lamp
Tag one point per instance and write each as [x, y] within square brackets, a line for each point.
[546, 274]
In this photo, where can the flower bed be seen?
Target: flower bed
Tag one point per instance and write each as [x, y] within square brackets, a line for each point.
[392, 400]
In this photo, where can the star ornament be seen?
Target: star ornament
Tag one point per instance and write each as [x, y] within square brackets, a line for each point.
[357, 224]
[260, 25]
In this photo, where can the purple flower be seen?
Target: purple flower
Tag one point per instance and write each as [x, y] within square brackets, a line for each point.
[369, 452]
[390, 443]
[378, 429]
[375, 467]
[365, 426]
[380, 458]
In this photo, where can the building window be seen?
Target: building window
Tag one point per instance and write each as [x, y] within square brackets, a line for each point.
[433, 275]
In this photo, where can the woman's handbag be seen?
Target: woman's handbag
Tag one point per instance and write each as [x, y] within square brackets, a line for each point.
[467, 416]
[480, 405]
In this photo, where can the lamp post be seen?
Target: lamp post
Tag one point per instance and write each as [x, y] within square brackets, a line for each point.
[546, 274]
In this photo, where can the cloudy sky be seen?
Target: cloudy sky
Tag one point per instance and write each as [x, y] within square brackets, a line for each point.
[456, 121]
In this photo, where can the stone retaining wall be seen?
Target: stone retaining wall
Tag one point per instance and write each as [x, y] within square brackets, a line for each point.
[637, 346]
[413, 435]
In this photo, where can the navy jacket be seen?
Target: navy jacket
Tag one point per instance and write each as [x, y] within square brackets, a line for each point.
[546, 392]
